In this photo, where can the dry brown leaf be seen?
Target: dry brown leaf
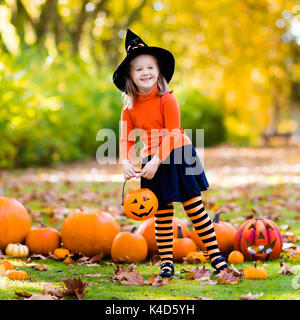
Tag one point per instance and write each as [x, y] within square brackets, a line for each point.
[48, 289]
[251, 296]
[38, 256]
[226, 277]
[75, 287]
[157, 281]
[198, 273]
[285, 268]
[41, 297]
[68, 260]
[95, 275]
[191, 260]
[41, 267]
[197, 298]
[128, 276]
[23, 294]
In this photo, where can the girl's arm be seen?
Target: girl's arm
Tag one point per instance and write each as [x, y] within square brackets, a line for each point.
[127, 146]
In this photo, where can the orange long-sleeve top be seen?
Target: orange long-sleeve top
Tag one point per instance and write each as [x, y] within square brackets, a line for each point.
[157, 119]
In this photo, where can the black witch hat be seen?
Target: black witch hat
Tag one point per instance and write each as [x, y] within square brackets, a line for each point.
[135, 46]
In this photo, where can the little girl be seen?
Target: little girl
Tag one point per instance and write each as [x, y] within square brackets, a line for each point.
[151, 108]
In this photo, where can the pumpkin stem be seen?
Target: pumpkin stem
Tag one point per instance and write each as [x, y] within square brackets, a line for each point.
[42, 225]
[133, 229]
[179, 233]
[257, 213]
[217, 216]
[255, 263]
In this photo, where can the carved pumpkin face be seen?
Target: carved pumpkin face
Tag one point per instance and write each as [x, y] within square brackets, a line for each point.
[259, 239]
[140, 204]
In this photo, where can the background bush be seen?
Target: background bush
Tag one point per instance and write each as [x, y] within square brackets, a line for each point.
[52, 108]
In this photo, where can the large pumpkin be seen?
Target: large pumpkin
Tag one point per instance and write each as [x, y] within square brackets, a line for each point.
[147, 230]
[90, 233]
[129, 247]
[225, 234]
[42, 240]
[140, 204]
[259, 239]
[14, 222]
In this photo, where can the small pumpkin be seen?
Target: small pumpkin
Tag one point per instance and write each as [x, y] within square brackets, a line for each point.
[255, 272]
[14, 221]
[258, 238]
[2, 270]
[129, 247]
[7, 265]
[140, 204]
[198, 255]
[235, 257]
[225, 233]
[16, 274]
[42, 240]
[17, 250]
[147, 230]
[61, 253]
[182, 246]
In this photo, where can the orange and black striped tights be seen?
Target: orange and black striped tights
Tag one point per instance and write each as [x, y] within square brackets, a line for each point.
[202, 223]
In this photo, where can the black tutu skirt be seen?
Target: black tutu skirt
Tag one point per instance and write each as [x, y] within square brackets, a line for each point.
[178, 178]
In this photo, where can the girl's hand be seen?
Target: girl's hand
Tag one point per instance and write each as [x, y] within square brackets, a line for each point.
[129, 170]
[150, 168]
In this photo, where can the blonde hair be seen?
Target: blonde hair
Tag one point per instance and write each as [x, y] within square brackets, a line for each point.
[130, 93]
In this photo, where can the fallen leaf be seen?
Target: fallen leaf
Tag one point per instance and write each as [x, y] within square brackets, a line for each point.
[198, 273]
[197, 298]
[226, 277]
[128, 276]
[41, 267]
[157, 281]
[75, 287]
[286, 269]
[48, 289]
[41, 297]
[95, 275]
[23, 294]
[251, 296]
[38, 256]
[68, 260]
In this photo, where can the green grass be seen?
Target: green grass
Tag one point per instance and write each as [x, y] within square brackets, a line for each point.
[276, 287]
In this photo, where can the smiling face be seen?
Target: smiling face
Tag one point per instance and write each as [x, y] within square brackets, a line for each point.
[140, 204]
[144, 72]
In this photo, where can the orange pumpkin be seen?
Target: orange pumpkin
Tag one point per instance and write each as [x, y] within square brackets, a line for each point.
[258, 238]
[182, 246]
[7, 265]
[61, 253]
[90, 233]
[16, 275]
[225, 234]
[42, 240]
[14, 222]
[255, 272]
[235, 257]
[129, 247]
[140, 204]
[147, 230]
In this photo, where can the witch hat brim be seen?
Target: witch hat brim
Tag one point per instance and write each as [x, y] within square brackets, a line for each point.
[135, 46]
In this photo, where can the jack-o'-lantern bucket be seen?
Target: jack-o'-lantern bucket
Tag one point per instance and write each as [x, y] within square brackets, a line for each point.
[140, 204]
